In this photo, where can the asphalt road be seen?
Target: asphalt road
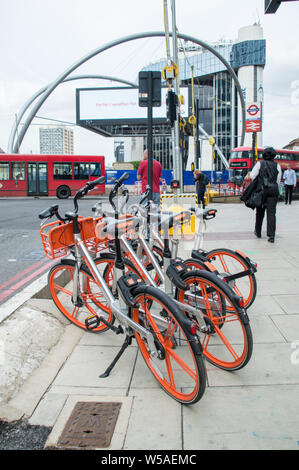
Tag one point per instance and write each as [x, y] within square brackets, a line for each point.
[22, 255]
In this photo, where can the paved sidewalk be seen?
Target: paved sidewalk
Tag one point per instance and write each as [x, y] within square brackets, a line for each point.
[254, 408]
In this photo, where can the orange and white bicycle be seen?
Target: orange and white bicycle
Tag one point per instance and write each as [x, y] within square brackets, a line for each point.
[84, 292]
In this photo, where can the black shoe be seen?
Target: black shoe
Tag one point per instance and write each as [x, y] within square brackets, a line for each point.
[271, 239]
[258, 235]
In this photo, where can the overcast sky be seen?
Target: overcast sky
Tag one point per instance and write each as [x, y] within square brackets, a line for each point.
[40, 40]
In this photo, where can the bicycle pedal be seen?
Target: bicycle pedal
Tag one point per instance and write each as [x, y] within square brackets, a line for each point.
[92, 322]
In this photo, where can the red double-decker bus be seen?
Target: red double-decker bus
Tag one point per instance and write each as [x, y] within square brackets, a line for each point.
[241, 162]
[48, 175]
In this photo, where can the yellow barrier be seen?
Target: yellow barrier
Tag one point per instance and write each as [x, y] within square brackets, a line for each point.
[177, 203]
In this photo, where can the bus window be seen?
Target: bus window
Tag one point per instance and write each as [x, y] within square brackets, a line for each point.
[4, 171]
[95, 169]
[81, 171]
[18, 170]
[245, 154]
[62, 171]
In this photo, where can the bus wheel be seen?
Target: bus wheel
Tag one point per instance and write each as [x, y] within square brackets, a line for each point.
[63, 192]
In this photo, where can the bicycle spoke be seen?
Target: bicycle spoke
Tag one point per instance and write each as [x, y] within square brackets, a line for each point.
[62, 289]
[181, 363]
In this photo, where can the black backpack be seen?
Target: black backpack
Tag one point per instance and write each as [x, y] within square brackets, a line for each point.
[268, 177]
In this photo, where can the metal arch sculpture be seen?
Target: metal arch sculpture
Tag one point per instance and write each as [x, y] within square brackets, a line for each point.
[109, 45]
[42, 90]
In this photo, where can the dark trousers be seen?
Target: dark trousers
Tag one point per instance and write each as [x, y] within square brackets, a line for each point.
[269, 206]
[201, 197]
[288, 193]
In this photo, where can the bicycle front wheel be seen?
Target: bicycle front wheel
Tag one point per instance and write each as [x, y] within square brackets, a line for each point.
[227, 338]
[178, 366]
[90, 301]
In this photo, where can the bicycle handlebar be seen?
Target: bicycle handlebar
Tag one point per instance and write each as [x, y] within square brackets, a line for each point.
[53, 210]
[117, 184]
[145, 196]
[206, 214]
[49, 212]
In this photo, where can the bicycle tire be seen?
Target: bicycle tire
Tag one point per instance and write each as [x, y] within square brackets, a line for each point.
[181, 370]
[229, 344]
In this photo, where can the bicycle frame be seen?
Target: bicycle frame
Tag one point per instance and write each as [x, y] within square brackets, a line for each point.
[167, 285]
[118, 307]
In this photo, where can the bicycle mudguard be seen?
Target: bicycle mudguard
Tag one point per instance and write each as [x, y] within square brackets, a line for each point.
[175, 271]
[126, 284]
[201, 255]
[251, 264]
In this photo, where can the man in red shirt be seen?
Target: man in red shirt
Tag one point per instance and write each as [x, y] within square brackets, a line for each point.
[157, 177]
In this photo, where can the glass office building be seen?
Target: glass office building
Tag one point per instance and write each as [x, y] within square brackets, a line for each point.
[216, 101]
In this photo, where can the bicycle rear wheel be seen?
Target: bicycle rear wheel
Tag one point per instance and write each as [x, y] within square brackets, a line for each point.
[179, 367]
[228, 262]
[227, 342]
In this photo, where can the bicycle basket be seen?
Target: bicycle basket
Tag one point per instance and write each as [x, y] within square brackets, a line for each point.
[57, 237]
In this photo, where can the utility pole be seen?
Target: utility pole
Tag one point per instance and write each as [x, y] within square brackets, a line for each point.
[178, 163]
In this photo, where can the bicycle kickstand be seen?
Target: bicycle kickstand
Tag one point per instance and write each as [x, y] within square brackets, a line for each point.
[127, 342]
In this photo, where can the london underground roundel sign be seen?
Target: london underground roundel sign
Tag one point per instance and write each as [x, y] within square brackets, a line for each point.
[253, 109]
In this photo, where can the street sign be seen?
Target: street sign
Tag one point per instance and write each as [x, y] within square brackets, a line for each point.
[254, 126]
[253, 117]
[253, 111]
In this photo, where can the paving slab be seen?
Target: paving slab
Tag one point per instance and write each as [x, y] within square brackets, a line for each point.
[77, 390]
[288, 325]
[289, 303]
[87, 362]
[270, 364]
[264, 330]
[159, 429]
[279, 287]
[243, 418]
[48, 409]
[265, 305]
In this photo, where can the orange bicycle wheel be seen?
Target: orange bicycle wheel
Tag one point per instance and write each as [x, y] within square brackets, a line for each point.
[228, 262]
[227, 339]
[178, 367]
[90, 298]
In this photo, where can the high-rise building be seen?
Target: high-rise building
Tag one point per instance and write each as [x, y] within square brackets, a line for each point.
[56, 140]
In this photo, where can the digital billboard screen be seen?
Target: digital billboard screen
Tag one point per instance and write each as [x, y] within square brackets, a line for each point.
[102, 107]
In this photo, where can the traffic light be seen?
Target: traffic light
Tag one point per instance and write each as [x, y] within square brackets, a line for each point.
[145, 79]
[171, 105]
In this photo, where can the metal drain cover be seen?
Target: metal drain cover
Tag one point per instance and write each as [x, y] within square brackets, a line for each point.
[91, 424]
